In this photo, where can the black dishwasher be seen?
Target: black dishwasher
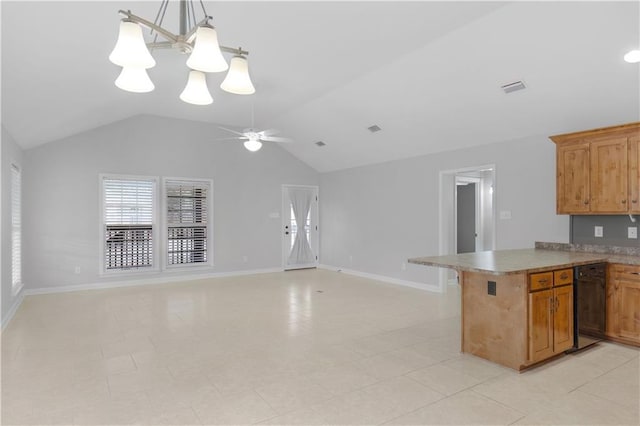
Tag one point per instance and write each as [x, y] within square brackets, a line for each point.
[589, 304]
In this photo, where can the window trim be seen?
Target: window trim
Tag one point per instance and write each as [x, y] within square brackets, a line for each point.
[16, 287]
[155, 268]
[209, 264]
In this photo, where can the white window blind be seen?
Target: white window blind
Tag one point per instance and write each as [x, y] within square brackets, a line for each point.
[16, 228]
[187, 221]
[128, 223]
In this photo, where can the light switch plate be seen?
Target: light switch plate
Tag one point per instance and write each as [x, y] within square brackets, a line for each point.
[505, 214]
[598, 231]
[632, 232]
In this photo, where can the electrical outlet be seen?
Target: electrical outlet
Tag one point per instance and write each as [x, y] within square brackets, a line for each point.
[403, 266]
[505, 214]
[245, 259]
[598, 231]
[632, 232]
[77, 270]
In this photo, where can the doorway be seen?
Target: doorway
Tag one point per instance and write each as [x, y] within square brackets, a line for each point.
[300, 230]
[467, 197]
[467, 214]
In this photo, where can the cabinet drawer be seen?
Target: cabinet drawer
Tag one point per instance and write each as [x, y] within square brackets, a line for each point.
[540, 281]
[629, 272]
[563, 277]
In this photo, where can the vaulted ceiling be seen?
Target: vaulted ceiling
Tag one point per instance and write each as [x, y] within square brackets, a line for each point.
[427, 73]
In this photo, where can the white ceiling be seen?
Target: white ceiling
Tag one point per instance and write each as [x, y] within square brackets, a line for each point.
[428, 73]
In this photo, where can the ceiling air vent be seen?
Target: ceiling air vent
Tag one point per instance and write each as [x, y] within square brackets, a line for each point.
[374, 128]
[320, 143]
[513, 87]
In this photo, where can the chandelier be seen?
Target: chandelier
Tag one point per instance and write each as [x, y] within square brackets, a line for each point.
[198, 39]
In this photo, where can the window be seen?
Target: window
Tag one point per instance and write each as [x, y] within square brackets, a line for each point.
[128, 223]
[188, 203]
[16, 229]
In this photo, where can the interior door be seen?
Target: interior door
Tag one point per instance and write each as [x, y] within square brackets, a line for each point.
[466, 217]
[300, 232]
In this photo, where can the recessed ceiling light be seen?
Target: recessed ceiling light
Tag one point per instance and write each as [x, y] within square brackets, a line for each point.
[632, 56]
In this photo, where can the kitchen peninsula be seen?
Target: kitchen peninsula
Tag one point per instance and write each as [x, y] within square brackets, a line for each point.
[517, 305]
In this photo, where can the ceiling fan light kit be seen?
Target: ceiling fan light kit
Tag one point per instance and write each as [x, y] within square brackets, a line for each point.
[632, 57]
[253, 145]
[200, 41]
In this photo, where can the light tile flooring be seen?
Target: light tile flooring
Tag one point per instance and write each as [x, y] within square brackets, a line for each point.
[301, 347]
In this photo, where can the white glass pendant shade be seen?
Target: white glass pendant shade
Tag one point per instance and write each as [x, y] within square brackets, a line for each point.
[196, 91]
[253, 145]
[131, 50]
[632, 57]
[238, 80]
[135, 80]
[206, 55]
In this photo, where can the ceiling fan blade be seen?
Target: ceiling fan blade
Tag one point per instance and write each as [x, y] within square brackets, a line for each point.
[233, 137]
[232, 131]
[269, 132]
[275, 139]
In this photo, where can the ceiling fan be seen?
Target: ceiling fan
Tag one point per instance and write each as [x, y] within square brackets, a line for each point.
[254, 138]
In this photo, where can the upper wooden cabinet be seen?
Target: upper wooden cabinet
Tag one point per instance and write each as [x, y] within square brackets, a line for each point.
[598, 171]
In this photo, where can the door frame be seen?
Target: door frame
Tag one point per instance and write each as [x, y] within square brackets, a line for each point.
[284, 215]
[447, 215]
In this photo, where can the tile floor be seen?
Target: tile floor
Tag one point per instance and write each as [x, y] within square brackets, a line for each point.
[301, 347]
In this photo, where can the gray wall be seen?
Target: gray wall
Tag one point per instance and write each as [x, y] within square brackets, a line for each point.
[10, 153]
[61, 194]
[615, 230]
[375, 217]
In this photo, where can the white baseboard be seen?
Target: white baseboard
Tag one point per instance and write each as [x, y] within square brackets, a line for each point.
[421, 286]
[146, 281]
[14, 308]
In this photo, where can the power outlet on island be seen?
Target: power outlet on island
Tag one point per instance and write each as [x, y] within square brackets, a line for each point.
[632, 232]
[598, 231]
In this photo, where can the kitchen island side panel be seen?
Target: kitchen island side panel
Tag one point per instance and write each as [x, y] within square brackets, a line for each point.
[495, 326]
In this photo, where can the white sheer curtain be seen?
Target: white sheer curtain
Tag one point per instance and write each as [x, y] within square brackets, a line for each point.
[301, 252]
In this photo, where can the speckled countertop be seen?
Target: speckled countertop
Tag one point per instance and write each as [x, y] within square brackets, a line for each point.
[504, 262]
[544, 257]
[615, 254]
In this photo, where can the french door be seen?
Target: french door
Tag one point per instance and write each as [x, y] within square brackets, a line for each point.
[300, 233]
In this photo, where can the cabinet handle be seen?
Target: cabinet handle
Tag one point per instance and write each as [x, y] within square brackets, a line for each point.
[634, 201]
[586, 201]
[551, 307]
[624, 201]
[543, 281]
[557, 304]
[564, 275]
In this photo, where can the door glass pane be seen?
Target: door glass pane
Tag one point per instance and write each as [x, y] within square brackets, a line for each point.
[294, 227]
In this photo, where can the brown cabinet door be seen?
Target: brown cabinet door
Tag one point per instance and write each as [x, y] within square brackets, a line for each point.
[540, 325]
[609, 175]
[563, 318]
[573, 194]
[634, 173]
[628, 304]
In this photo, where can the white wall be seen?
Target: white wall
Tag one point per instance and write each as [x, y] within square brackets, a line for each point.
[11, 153]
[61, 195]
[375, 217]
